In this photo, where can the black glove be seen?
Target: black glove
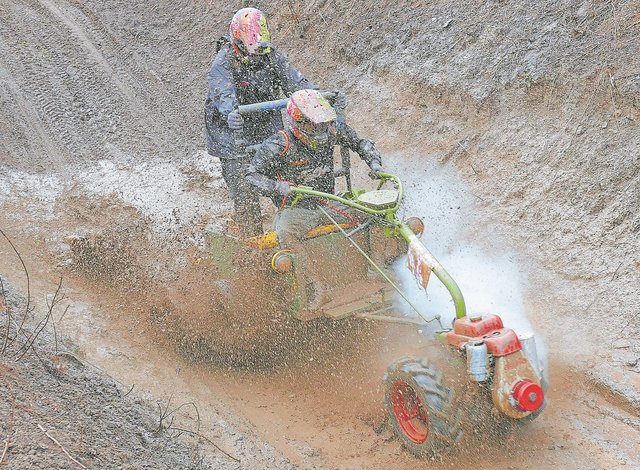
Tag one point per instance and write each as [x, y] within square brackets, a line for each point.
[235, 121]
[340, 100]
[369, 153]
[283, 188]
[337, 98]
[376, 168]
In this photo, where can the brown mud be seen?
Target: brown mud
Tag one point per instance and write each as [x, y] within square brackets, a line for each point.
[534, 107]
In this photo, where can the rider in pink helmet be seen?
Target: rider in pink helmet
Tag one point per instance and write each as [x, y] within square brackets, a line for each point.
[247, 69]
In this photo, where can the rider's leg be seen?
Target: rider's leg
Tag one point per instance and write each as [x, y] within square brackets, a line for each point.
[291, 224]
[246, 202]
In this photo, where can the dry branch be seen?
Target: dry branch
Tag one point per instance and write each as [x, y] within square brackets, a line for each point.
[42, 324]
[206, 439]
[26, 273]
[4, 452]
[6, 304]
[164, 414]
[130, 390]
[59, 445]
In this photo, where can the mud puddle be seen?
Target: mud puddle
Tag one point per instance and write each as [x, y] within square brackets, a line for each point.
[323, 407]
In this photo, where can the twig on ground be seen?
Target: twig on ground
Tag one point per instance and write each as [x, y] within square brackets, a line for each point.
[55, 332]
[59, 445]
[612, 89]
[86, 362]
[42, 324]
[194, 407]
[4, 452]
[615, 274]
[206, 439]
[26, 272]
[6, 305]
[631, 319]
[130, 390]
[322, 18]
[164, 414]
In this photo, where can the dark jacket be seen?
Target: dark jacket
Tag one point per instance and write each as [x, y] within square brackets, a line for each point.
[283, 157]
[232, 83]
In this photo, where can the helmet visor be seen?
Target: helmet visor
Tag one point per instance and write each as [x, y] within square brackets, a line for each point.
[311, 129]
[316, 133]
[262, 48]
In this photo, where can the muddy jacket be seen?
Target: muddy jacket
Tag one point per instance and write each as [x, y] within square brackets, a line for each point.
[283, 157]
[232, 83]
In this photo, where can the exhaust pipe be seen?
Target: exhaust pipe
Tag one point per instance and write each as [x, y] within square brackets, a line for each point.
[528, 342]
[477, 361]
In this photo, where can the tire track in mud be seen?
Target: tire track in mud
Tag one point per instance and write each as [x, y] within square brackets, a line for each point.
[43, 71]
[149, 86]
[29, 121]
[147, 94]
[81, 96]
[88, 46]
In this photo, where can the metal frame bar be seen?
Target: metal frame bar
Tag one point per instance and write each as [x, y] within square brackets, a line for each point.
[400, 228]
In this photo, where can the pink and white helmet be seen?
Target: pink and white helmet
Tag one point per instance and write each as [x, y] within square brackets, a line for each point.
[310, 117]
[249, 32]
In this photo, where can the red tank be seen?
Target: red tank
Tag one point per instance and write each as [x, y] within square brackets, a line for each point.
[473, 326]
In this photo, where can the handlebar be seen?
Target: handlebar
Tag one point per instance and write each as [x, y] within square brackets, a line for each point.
[300, 191]
[267, 106]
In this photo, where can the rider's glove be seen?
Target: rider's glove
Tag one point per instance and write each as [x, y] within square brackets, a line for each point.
[368, 151]
[337, 98]
[235, 121]
[340, 100]
[283, 188]
[376, 168]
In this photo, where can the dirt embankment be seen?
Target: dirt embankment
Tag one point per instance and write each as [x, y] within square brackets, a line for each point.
[60, 412]
[537, 108]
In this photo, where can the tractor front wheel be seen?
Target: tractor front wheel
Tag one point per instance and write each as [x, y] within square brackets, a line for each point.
[421, 408]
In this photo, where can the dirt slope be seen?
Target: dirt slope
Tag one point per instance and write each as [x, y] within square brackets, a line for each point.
[535, 106]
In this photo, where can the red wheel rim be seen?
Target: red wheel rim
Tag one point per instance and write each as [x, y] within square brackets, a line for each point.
[410, 411]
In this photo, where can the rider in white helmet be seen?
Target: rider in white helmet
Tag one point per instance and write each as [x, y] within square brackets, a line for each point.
[302, 154]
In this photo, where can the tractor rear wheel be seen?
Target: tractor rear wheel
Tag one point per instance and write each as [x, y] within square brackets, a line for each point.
[421, 408]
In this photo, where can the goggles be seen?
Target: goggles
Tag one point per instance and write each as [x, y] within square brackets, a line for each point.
[261, 49]
[311, 129]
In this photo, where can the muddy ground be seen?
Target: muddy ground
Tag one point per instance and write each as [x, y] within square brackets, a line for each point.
[518, 122]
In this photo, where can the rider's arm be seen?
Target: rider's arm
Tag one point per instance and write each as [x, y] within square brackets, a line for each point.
[290, 78]
[265, 164]
[365, 148]
[221, 97]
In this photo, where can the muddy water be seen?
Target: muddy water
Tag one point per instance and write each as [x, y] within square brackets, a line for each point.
[323, 408]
